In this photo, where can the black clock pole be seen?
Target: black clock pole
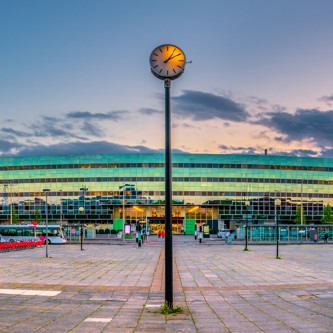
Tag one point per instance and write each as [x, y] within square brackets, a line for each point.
[168, 200]
[166, 70]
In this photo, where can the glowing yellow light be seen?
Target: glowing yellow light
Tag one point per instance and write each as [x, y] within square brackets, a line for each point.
[193, 209]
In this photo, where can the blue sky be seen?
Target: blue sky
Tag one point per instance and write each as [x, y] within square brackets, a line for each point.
[75, 76]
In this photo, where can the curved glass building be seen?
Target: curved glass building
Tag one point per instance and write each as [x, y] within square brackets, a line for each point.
[207, 189]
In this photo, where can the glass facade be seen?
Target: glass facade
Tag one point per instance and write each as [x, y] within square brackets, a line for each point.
[206, 188]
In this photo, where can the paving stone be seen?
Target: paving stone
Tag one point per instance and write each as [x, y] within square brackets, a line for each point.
[220, 287]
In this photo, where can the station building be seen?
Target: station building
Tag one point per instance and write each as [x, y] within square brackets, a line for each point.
[217, 190]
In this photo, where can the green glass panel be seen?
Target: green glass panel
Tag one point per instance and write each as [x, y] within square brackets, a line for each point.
[189, 226]
[118, 224]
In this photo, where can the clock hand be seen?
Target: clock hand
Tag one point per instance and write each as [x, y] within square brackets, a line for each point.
[165, 61]
[171, 57]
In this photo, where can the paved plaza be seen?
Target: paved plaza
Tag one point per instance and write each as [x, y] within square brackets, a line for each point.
[117, 287]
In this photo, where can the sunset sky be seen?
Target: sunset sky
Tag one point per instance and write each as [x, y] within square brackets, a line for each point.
[75, 76]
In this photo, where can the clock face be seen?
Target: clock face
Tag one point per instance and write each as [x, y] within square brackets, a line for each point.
[167, 61]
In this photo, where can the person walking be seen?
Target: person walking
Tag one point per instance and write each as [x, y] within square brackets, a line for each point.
[325, 237]
[315, 237]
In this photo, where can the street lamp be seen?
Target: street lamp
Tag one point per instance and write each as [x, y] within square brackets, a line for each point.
[11, 201]
[60, 191]
[46, 191]
[81, 210]
[247, 204]
[123, 210]
[301, 201]
[277, 203]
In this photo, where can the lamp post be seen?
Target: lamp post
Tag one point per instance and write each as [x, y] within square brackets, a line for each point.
[46, 191]
[60, 191]
[123, 210]
[277, 203]
[84, 190]
[81, 210]
[247, 204]
[301, 201]
[11, 201]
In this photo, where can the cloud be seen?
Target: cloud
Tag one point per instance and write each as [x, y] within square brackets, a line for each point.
[200, 106]
[312, 125]
[14, 132]
[240, 150]
[90, 129]
[271, 151]
[86, 115]
[327, 99]
[57, 129]
[96, 147]
[85, 132]
[326, 153]
[149, 111]
[9, 146]
[60, 128]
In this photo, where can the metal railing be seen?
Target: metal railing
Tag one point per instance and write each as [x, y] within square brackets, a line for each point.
[287, 233]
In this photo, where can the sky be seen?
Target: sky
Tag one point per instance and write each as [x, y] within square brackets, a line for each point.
[75, 77]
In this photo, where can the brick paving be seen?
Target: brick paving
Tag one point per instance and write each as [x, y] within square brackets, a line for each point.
[116, 287]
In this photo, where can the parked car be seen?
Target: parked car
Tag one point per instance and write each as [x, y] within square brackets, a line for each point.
[223, 233]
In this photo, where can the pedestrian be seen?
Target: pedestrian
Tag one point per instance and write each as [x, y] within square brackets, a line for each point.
[147, 234]
[200, 236]
[325, 237]
[163, 233]
[159, 233]
[195, 234]
[315, 237]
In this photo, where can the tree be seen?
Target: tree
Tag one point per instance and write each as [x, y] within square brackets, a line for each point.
[37, 216]
[14, 215]
[298, 218]
[327, 214]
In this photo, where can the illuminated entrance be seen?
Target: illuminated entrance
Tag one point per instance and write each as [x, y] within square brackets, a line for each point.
[184, 218]
[159, 224]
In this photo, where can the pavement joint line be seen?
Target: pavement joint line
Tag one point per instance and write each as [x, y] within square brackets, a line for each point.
[261, 287]
[159, 275]
[26, 292]
[80, 287]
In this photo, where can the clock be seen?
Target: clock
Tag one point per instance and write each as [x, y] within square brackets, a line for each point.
[167, 61]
